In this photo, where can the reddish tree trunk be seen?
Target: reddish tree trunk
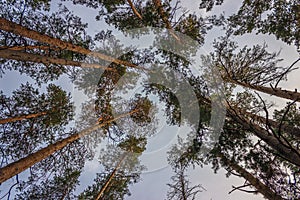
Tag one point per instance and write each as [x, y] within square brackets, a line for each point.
[22, 117]
[17, 167]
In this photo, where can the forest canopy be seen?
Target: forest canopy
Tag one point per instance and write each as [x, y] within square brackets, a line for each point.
[99, 98]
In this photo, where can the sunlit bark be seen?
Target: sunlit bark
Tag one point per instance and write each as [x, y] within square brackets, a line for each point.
[111, 176]
[134, 9]
[164, 17]
[17, 167]
[22, 117]
[26, 32]
[286, 94]
[29, 57]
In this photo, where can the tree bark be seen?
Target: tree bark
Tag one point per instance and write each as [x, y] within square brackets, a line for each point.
[290, 154]
[17, 167]
[286, 94]
[111, 176]
[20, 48]
[25, 32]
[163, 16]
[291, 130]
[134, 9]
[183, 190]
[29, 57]
[255, 182]
[22, 117]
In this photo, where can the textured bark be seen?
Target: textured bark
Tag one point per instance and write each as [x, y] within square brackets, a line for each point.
[291, 155]
[17, 167]
[291, 130]
[29, 57]
[20, 48]
[134, 9]
[164, 17]
[22, 117]
[255, 182]
[25, 32]
[286, 94]
[111, 176]
[288, 129]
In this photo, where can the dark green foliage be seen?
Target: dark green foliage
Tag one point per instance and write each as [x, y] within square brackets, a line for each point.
[126, 174]
[64, 25]
[253, 65]
[59, 187]
[289, 115]
[120, 15]
[277, 17]
[20, 138]
[172, 107]
[133, 144]
[116, 191]
[142, 105]
[209, 4]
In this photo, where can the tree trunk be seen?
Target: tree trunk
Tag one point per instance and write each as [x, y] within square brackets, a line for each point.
[162, 14]
[240, 116]
[183, 190]
[260, 187]
[291, 130]
[288, 153]
[286, 94]
[134, 9]
[21, 48]
[29, 57]
[111, 176]
[17, 167]
[25, 32]
[22, 117]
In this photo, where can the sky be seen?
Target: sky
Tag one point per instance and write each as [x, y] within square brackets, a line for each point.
[153, 185]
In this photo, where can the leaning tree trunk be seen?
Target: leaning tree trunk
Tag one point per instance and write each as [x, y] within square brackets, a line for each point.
[289, 129]
[255, 182]
[15, 28]
[111, 176]
[164, 17]
[17, 167]
[29, 57]
[285, 150]
[286, 94]
[134, 9]
[22, 117]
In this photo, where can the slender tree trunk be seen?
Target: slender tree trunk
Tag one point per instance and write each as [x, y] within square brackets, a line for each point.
[288, 129]
[22, 117]
[282, 147]
[291, 130]
[255, 182]
[134, 9]
[183, 191]
[25, 32]
[286, 94]
[17, 167]
[21, 48]
[111, 176]
[290, 154]
[164, 17]
[29, 57]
